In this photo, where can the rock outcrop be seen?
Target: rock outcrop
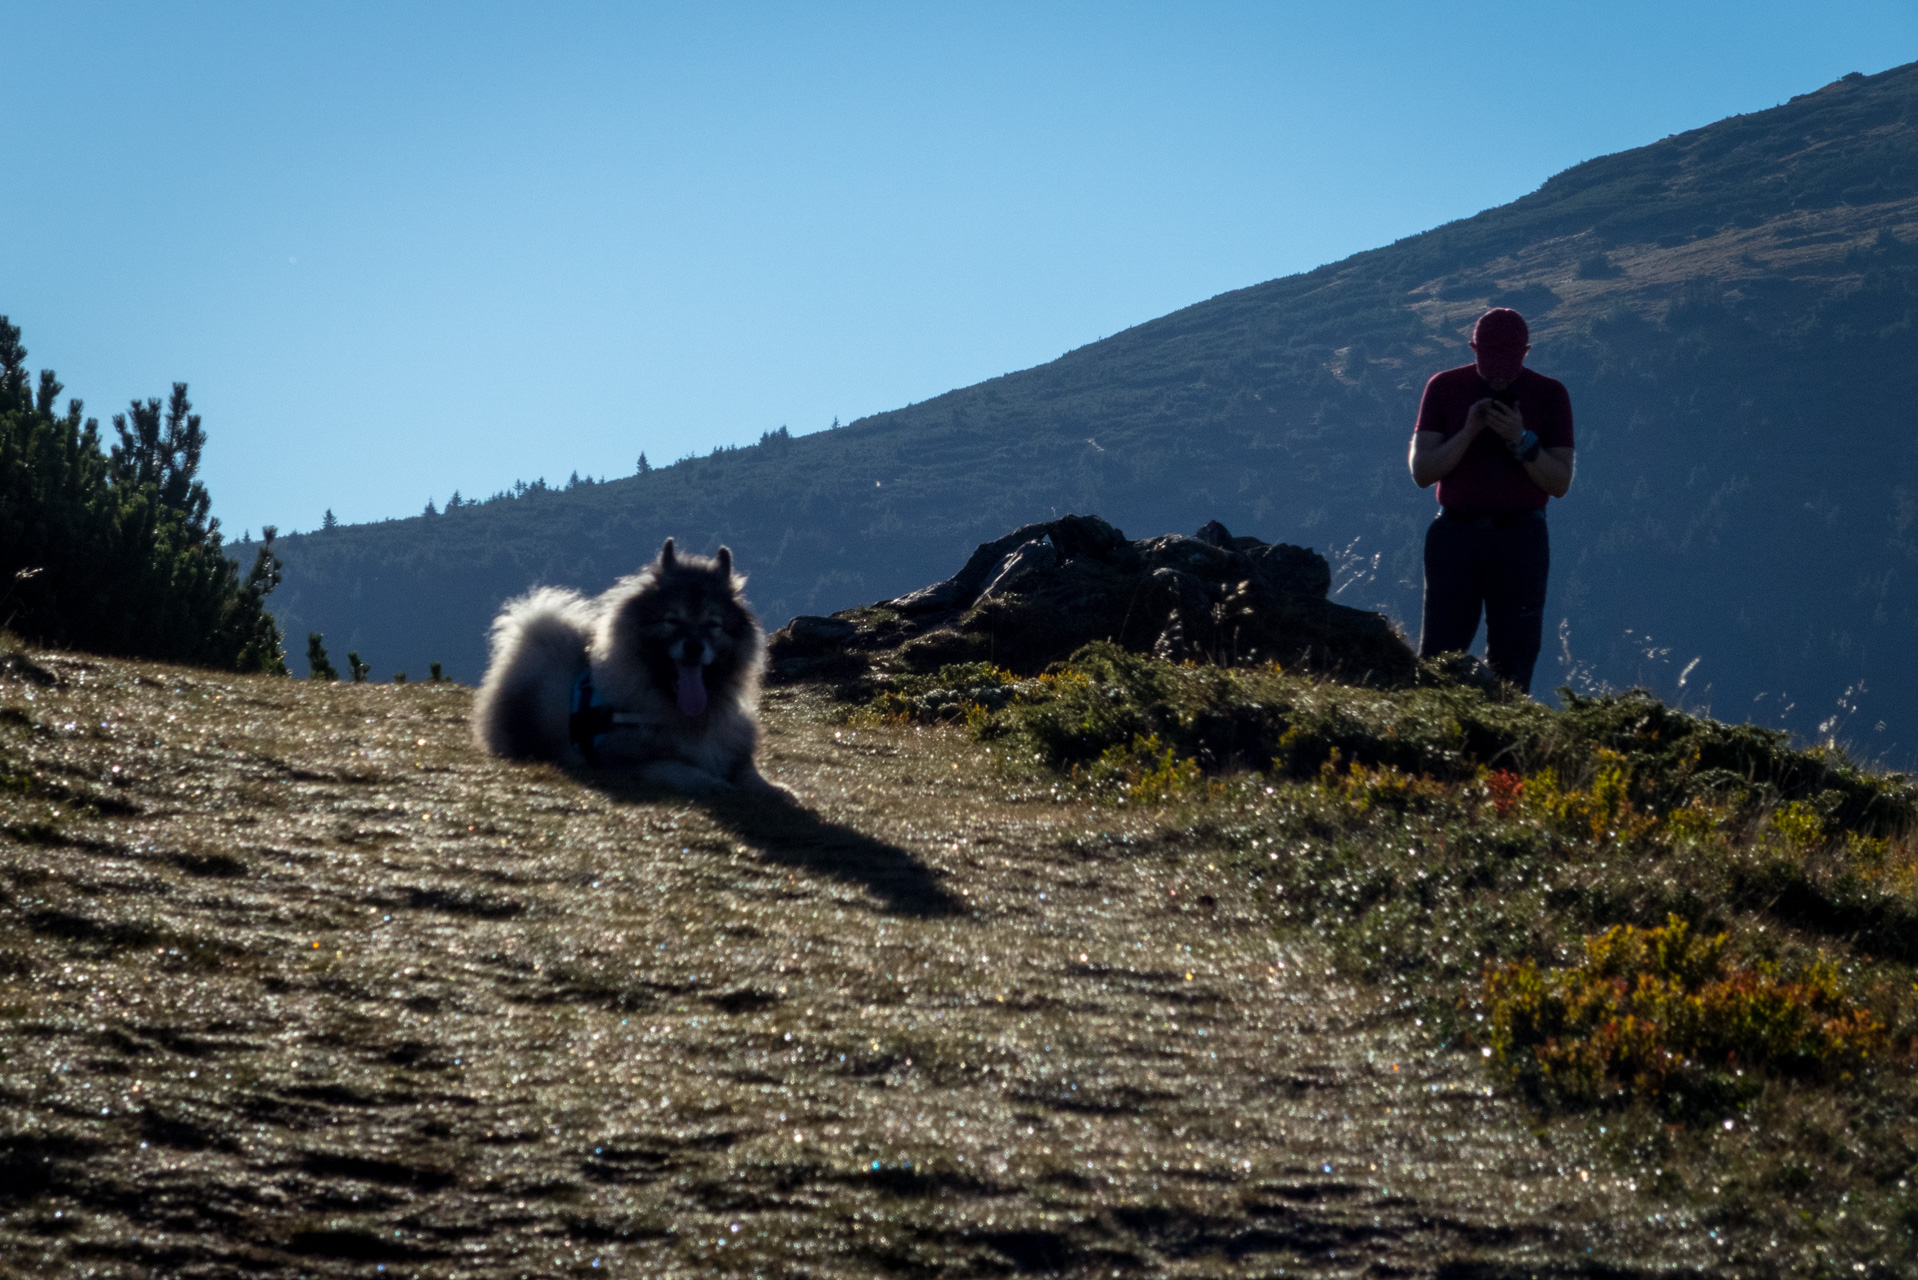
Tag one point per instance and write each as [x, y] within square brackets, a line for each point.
[1034, 596]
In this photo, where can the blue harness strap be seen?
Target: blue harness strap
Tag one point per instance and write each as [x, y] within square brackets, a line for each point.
[589, 719]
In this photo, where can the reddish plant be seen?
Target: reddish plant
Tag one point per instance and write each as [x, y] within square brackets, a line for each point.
[1504, 787]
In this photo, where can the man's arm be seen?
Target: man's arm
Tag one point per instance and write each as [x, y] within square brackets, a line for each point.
[1552, 471]
[1433, 456]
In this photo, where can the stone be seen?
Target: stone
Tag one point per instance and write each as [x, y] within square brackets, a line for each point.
[1041, 592]
[1291, 570]
[1214, 534]
[814, 633]
[1019, 565]
[940, 595]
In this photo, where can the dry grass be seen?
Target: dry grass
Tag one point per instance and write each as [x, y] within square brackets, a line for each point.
[294, 982]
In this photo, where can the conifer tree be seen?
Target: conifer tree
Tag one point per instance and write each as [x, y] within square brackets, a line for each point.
[322, 668]
[358, 668]
[645, 467]
[245, 621]
[128, 559]
[328, 521]
[165, 457]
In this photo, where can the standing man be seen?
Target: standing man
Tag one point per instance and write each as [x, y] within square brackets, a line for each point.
[1497, 440]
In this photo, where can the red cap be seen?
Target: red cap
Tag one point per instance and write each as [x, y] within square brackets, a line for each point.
[1499, 340]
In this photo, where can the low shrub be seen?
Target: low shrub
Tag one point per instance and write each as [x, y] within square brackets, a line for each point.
[945, 696]
[1146, 771]
[1612, 749]
[1663, 1014]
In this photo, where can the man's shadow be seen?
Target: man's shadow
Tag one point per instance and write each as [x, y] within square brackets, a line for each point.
[786, 832]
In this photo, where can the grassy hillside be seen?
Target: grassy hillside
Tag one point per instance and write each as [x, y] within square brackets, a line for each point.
[1732, 308]
[294, 983]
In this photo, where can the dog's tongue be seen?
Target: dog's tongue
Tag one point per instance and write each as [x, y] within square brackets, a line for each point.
[692, 690]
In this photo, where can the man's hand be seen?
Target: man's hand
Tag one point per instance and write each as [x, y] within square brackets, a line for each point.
[1433, 456]
[1503, 420]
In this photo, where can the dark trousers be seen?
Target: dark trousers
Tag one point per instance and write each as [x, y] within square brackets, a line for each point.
[1497, 563]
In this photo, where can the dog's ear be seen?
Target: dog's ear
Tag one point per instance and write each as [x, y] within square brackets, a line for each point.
[725, 562]
[667, 558]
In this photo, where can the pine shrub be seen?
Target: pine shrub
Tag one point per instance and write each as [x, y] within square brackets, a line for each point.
[320, 667]
[113, 550]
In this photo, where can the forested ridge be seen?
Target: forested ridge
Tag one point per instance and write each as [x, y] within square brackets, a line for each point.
[1731, 308]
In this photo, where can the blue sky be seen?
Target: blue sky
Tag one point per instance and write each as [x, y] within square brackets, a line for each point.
[398, 250]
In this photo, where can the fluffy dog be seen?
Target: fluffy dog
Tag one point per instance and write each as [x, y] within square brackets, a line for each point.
[660, 674]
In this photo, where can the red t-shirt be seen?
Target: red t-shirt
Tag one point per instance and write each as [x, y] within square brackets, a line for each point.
[1488, 477]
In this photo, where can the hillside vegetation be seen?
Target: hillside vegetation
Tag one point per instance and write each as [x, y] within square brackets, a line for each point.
[1034, 978]
[1731, 308]
[114, 550]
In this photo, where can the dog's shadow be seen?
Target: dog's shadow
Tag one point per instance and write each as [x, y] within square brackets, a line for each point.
[786, 832]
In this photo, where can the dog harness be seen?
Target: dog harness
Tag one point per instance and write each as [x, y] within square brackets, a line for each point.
[592, 719]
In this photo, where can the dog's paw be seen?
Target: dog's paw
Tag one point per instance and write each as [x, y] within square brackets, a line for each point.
[771, 790]
[751, 781]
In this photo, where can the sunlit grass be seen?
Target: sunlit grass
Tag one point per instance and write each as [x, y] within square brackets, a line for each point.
[1021, 985]
[1638, 916]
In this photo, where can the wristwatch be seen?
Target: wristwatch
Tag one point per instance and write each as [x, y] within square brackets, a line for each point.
[1525, 448]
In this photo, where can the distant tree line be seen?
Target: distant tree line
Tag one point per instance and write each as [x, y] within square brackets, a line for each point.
[113, 550]
[774, 441]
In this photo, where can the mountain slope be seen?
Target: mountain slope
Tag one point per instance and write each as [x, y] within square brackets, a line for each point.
[1731, 307]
